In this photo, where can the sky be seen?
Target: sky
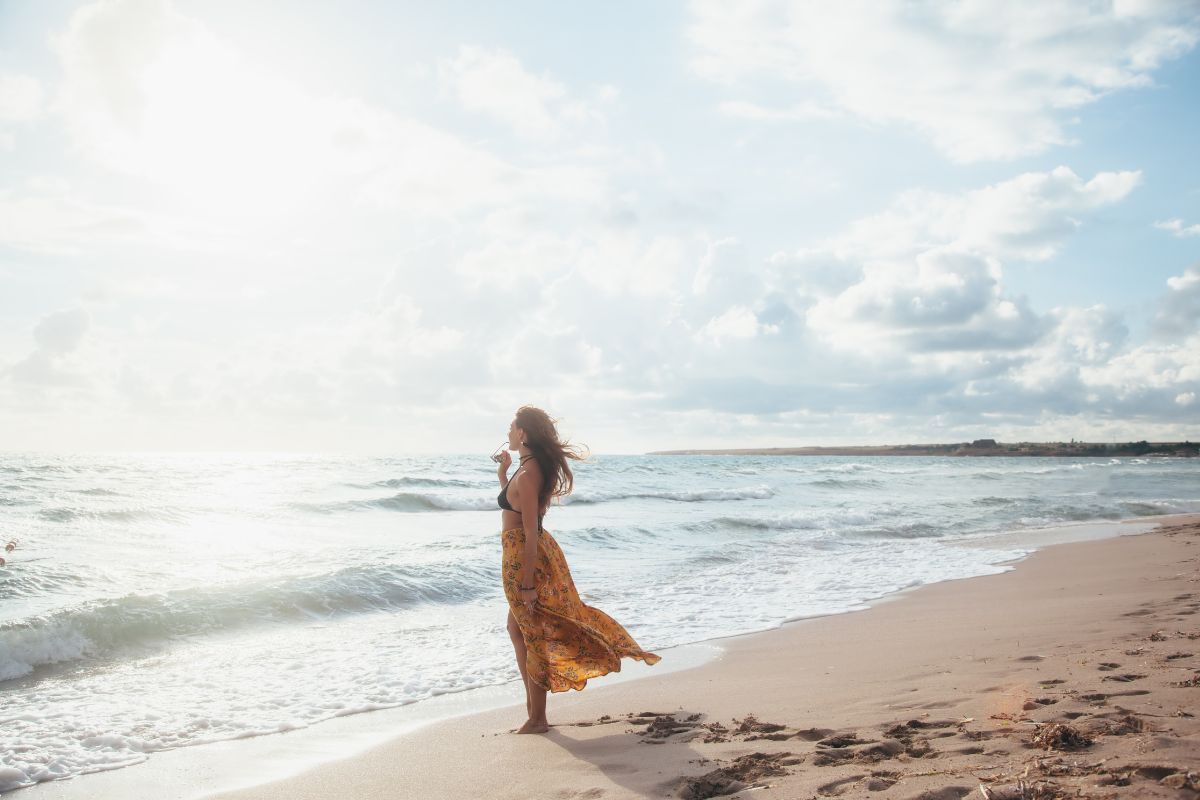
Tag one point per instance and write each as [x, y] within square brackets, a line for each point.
[381, 227]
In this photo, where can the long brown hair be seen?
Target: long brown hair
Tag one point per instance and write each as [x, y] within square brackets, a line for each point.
[541, 437]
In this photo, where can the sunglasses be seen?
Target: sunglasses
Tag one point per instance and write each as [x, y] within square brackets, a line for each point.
[496, 455]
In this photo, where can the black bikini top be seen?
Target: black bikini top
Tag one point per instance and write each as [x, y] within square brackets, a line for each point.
[502, 501]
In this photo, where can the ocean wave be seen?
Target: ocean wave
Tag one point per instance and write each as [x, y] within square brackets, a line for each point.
[796, 520]
[72, 513]
[413, 480]
[845, 483]
[409, 502]
[102, 627]
[39, 578]
[1150, 508]
[683, 495]
[903, 530]
[842, 468]
[604, 536]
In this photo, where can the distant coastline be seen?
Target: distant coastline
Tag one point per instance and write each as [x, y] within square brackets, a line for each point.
[979, 447]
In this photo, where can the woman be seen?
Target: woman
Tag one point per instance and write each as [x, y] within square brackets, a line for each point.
[560, 641]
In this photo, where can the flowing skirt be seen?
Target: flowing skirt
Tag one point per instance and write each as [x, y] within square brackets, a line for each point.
[566, 641]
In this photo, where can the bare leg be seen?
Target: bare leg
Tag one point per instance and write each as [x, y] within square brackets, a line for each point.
[537, 716]
[518, 640]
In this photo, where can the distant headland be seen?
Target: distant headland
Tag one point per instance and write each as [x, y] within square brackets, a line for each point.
[979, 447]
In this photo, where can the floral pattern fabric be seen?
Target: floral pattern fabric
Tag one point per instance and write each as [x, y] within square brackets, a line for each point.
[567, 641]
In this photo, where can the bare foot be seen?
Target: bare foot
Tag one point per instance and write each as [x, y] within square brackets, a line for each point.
[531, 726]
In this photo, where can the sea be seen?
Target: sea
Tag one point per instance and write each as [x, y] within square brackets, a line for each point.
[160, 601]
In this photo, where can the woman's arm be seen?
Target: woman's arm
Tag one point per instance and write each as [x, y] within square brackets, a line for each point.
[529, 519]
[502, 470]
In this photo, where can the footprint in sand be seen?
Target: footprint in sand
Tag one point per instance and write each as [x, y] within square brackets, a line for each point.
[1107, 665]
[1124, 724]
[838, 787]
[945, 793]
[1125, 678]
[744, 772]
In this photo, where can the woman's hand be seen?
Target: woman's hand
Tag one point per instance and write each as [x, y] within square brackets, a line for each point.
[528, 597]
[505, 462]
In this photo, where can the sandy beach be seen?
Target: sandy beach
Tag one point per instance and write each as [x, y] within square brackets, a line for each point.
[1075, 673]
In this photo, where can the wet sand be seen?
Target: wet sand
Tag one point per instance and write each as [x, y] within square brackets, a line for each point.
[1074, 674]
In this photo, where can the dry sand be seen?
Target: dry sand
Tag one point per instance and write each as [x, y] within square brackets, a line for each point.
[1075, 673]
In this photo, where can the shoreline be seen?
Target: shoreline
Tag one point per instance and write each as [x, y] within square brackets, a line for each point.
[220, 768]
[1096, 450]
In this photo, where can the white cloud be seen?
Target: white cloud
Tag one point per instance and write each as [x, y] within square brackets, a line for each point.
[51, 217]
[20, 98]
[738, 322]
[1147, 370]
[1079, 336]
[495, 83]
[151, 92]
[56, 337]
[926, 273]
[982, 80]
[748, 110]
[1179, 308]
[1026, 217]
[1177, 228]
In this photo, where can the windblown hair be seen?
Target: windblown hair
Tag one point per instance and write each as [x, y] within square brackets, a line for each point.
[541, 437]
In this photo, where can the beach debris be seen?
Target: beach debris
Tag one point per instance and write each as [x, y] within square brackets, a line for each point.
[1176, 655]
[1125, 677]
[745, 772]
[1157, 636]
[1057, 736]
[1192, 681]
[1023, 790]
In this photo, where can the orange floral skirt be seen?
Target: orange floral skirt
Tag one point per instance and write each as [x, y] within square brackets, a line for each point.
[566, 641]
